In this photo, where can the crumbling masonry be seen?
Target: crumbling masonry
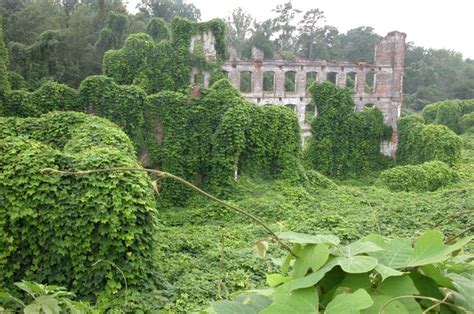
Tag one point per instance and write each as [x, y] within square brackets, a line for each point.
[283, 82]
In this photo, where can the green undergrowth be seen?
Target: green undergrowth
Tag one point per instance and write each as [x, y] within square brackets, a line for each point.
[210, 251]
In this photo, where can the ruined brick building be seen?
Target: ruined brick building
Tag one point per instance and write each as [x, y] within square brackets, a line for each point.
[283, 82]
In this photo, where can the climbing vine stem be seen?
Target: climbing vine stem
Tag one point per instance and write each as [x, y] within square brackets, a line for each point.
[165, 175]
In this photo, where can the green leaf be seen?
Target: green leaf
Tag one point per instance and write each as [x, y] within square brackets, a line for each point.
[394, 307]
[9, 298]
[437, 275]
[48, 304]
[33, 308]
[288, 301]
[302, 238]
[465, 290]
[397, 286]
[359, 247]
[276, 279]
[312, 256]
[313, 278]
[396, 253]
[231, 307]
[386, 272]
[430, 249]
[349, 303]
[357, 264]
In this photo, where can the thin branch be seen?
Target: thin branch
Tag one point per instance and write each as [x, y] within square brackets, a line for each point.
[459, 234]
[165, 175]
[438, 302]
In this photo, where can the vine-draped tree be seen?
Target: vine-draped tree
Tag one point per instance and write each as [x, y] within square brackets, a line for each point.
[4, 80]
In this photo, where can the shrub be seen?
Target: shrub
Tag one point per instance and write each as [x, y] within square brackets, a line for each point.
[418, 143]
[344, 143]
[49, 97]
[446, 113]
[428, 176]
[54, 228]
[467, 122]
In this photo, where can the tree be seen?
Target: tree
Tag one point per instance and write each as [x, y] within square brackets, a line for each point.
[167, 9]
[4, 80]
[308, 28]
[239, 28]
[283, 26]
[158, 29]
[358, 44]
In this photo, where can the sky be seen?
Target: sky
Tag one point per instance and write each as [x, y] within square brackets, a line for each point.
[428, 23]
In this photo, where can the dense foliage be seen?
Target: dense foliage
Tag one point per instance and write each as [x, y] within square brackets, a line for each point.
[49, 97]
[371, 275]
[217, 245]
[4, 76]
[448, 113]
[344, 143]
[212, 139]
[74, 231]
[418, 143]
[157, 65]
[428, 176]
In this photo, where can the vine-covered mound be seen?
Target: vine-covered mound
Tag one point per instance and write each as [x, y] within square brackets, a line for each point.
[428, 176]
[418, 143]
[73, 230]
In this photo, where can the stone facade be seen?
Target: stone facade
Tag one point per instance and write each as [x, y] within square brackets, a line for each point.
[379, 84]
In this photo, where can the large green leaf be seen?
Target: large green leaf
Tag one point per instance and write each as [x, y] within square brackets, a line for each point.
[393, 307]
[437, 275]
[386, 272]
[354, 265]
[464, 284]
[395, 254]
[313, 278]
[302, 238]
[287, 301]
[350, 283]
[359, 247]
[46, 304]
[357, 264]
[391, 288]
[397, 286]
[312, 256]
[350, 303]
[430, 249]
[231, 307]
[276, 279]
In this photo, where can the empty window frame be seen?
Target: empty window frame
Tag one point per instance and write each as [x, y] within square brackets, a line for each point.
[268, 81]
[310, 78]
[370, 81]
[290, 81]
[246, 81]
[351, 80]
[331, 77]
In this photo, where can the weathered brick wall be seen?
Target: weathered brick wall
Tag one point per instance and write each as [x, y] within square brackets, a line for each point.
[385, 94]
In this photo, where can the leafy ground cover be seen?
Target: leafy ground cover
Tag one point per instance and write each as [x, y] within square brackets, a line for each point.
[209, 252]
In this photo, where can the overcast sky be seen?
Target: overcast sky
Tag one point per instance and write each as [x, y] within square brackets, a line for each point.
[427, 23]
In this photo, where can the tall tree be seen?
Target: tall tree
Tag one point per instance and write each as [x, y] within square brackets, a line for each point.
[4, 81]
[284, 27]
[308, 29]
[239, 28]
[359, 43]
